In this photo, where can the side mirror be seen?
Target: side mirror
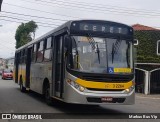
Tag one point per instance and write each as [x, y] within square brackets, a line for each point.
[135, 41]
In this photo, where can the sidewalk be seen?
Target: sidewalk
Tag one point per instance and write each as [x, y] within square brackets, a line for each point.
[156, 96]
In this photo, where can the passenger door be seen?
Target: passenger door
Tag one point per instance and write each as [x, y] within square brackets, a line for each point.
[58, 66]
[28, 65]
[17, 63]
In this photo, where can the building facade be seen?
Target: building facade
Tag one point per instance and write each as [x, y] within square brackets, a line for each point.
[147, 59]
[2, 64]
[10, 63]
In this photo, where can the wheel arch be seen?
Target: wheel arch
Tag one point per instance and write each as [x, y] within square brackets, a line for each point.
[45, 83]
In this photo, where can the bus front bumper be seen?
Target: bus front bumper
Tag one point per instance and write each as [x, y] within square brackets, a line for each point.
[72, 95]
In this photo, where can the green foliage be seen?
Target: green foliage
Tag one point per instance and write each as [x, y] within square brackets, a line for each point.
[24, 33]
[147, 48]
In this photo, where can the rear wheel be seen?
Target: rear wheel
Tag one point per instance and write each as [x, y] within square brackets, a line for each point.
[23, 89]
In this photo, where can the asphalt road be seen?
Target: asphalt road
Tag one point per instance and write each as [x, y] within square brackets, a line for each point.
[14, 101]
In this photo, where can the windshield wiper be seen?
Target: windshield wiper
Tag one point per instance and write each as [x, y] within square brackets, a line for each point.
[98, 52]
[94, 45]
[115, 48]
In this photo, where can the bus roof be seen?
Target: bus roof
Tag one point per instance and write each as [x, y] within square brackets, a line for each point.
[68, 25]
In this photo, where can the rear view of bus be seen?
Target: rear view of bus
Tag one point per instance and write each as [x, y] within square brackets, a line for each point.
[99, 63]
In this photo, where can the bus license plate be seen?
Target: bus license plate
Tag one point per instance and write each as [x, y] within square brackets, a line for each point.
[106, 99]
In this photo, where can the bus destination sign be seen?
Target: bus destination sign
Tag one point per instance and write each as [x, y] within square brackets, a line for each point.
[104, 28]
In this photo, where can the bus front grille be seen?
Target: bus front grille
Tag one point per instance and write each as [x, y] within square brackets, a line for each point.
[113, 79]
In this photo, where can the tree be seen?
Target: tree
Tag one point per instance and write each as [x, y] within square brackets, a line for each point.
[1, 4]
[25, 33]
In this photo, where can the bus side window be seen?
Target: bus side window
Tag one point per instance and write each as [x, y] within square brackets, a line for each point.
[18, 58]
[40, 51]
[34, 52]
[48, 49]
[21, 57]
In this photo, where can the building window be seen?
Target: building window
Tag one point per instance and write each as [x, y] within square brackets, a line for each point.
[135, 42]
[158, 47]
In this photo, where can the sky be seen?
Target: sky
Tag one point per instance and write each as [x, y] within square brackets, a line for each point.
[49, 14]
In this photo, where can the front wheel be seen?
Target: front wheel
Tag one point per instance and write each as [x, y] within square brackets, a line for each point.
[47, 95]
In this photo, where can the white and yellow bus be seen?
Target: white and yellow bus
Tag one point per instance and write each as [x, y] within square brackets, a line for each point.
[81, 62]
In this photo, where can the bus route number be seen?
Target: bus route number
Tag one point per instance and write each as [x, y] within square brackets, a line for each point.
[118, 86]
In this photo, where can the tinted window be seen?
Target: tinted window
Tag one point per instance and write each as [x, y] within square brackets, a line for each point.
[35, 47]
[47, 55]
[49, 42]
[34, 52]
[40, 51]
[39, 56]
[41, 46]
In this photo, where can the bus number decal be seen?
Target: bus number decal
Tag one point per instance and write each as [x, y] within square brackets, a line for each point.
[118, 86]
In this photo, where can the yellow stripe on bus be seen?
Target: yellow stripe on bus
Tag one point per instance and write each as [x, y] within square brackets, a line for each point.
[104, 85]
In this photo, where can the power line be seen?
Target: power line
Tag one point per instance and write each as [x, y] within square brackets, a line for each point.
[106, 6]
[50, 26]
[33, 16]
[90, 9]
[22, 22]
[39, 10]
[115, 12]
[6, 46]
[38, 24]
[10, 43]
[29, 20]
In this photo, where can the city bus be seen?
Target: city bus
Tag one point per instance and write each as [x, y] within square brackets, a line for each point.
[80, 62]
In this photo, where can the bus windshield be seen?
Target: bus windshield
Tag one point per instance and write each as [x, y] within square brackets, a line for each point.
[101, 55]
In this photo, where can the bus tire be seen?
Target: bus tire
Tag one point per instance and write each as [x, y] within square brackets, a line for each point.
[22, 88]
[48, 98]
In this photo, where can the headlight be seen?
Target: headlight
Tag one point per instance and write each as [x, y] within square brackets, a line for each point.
[76, 85]
[129, 89]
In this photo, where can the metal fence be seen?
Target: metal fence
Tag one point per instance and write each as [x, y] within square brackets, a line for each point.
[140, 80]
[147, 82]
[155, 81]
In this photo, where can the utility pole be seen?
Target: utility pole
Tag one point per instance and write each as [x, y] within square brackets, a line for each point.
[1, 4]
